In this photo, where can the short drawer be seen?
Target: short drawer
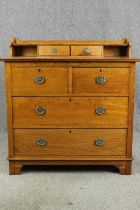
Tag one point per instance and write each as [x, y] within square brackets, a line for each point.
[100, 81]
[53, 50]
[87, 50]
[73, 142]
[66, 112]
[33, 81]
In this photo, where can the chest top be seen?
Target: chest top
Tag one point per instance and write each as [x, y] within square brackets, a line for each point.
[95, 48]
[70, 50]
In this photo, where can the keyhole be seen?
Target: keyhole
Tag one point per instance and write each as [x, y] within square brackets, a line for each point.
[38, 70]
[70, 131]
[100, 70]
[70, 99]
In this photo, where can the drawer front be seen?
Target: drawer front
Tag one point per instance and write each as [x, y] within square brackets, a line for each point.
[87, 50]
[100, 81]
[66, 112]
[53, 50]
[39, 81]
[65, 142]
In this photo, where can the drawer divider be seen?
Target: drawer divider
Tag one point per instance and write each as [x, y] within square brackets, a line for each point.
[70, 80]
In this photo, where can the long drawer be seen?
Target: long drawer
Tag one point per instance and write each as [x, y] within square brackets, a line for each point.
[65, 142]
[66, 112]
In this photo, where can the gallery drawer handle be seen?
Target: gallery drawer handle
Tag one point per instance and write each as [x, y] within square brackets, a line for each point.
[39, 79]
[86, 50]
[40, 110]
[100, 110]
[100, 80]
[41, 142]
[99, 142]
[54, 50]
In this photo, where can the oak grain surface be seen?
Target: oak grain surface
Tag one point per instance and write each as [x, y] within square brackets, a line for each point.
[69, 142]
[66, 112]
[23, 81]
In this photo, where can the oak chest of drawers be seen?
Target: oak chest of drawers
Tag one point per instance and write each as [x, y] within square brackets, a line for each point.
[70, 103]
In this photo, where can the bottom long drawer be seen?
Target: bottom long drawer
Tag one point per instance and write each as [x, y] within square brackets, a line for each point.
[69, 142]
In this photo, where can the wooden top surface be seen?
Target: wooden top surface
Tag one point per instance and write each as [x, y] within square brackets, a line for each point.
[71, 58]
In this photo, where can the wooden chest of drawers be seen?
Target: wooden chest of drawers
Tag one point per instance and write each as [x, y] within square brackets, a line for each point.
[70, 103]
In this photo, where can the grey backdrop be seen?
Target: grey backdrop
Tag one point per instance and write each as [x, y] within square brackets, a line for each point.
[69, 19]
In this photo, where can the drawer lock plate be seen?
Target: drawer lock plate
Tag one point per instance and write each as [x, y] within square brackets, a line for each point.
[39, 79]
[100, 80]
[41, 142]
[100, 110]
[40, 110]
[99, 142]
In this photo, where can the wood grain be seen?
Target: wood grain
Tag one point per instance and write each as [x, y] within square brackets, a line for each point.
[47, 50]
[72, 58]
[131, 109]
[78, 81]
[93, 50]
[77, 64]
[23, 81]
[122, 42]
[116, 51]
[77, 142]
[18, 164]
[70, 96]
[84, 81]
[9, 109]
[72, 158]
[65, 112]
[24, 51]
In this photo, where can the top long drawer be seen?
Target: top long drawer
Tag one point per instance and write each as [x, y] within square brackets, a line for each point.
[59, 81]
[70, 112]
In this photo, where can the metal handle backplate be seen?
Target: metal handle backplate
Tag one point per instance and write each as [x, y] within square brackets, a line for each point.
[100, 80]
[99, 141]
[40, 110]
[41, 142]
[100, 110]
[86, 50]
[54, 50]
[39, 79]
